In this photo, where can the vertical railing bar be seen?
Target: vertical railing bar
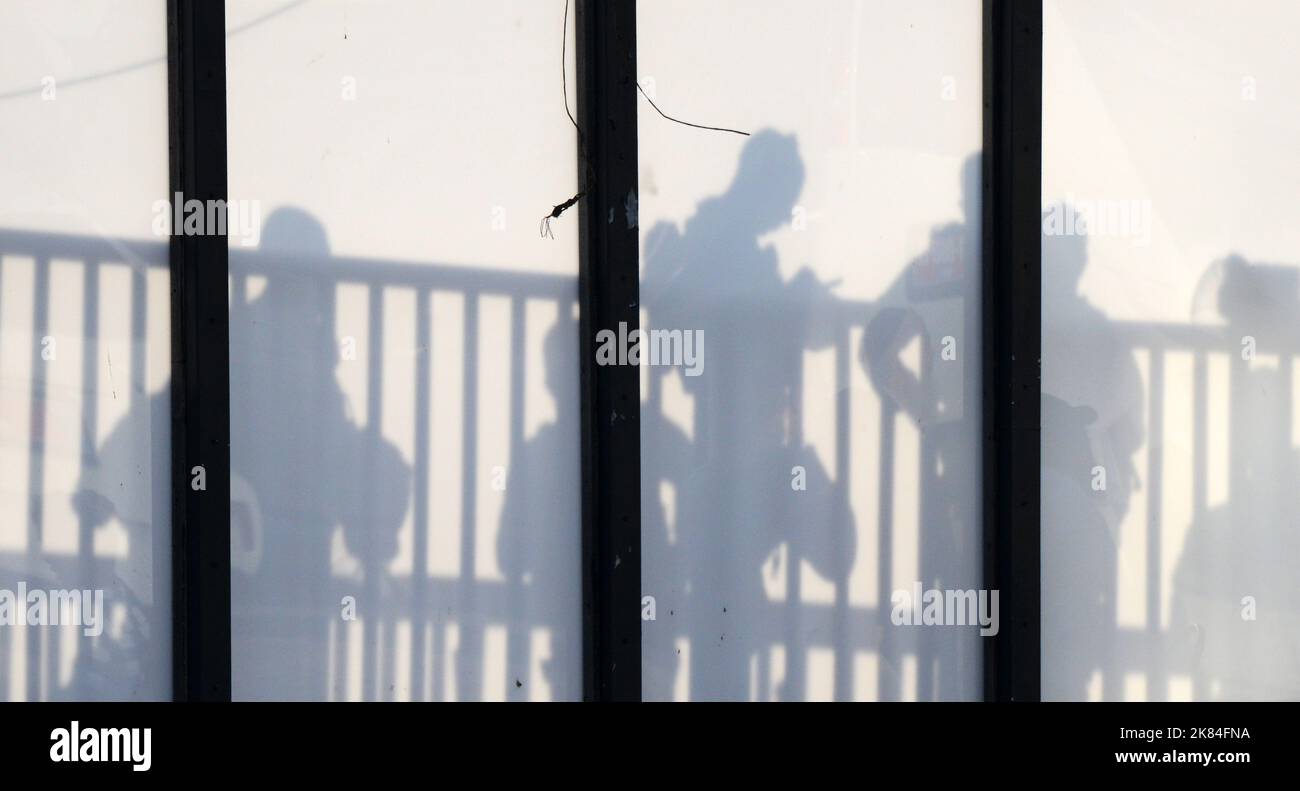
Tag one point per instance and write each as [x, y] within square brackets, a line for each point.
[468, 662]
[89, 415]
[386, 667]
[928, 641]
[1156, 689]
[420, 505]
[371, 673]
[840, 639]
[517, 626]
[796, 662]
[1200, 475]
[342, 630]
[887, 668]
[437, 659]
[36, 457]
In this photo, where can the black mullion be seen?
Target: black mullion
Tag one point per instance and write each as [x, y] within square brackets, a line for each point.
[1012, 310]
[608, 285]
[200, 383]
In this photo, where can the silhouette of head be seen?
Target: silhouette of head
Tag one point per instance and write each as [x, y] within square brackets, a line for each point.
[291, 230]
[292, 238]
[1262, 293]
[768, 180]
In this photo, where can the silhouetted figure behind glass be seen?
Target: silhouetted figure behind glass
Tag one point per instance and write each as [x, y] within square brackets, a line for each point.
[312, 469]
[301, 468]
[739, 507]
[539, 521]
[118, 484]
[936, 301]
[1085, 363]
[1078, 556]
[665, 480]
[666, 476]
[1247, 546]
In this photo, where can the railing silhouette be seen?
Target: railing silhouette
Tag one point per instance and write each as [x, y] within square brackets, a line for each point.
[31, 659]
[1152, 653]
[426, 668]
[421, 593]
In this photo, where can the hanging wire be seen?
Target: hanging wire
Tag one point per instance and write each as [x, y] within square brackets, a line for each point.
[686, 123]
[544, 228]
[559, 208]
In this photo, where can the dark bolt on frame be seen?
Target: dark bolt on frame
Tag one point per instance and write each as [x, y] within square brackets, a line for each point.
[1012, 309]
[608, 284]
[200, 382]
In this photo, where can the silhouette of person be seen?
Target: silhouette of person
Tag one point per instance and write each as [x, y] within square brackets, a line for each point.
[1236, 609]
[664, 481]
[1078, 556]
[110, 486]
[300, 467]
[538, 522]
[1084, 364]
[739, 505]
[935, 301]
[310, 467]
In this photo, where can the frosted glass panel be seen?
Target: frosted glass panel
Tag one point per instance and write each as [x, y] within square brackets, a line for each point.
[818, 472]
[1170, 332]
[404, 369]
[85, 447]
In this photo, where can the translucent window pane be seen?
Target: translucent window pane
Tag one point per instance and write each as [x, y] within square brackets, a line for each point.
[85, 447]
[1170, 296]
[404, 369]
[821, 467]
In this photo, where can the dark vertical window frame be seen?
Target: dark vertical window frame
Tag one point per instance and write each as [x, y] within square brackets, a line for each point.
[609, 287]
[200, 381]
[1012, 311]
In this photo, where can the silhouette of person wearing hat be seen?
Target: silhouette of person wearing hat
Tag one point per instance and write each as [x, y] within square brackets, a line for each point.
[301, 468]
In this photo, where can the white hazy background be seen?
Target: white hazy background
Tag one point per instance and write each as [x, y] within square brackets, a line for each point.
[1142, 103]
[453, 145]
[1190, 105]
[884, 101]
[83, 151]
